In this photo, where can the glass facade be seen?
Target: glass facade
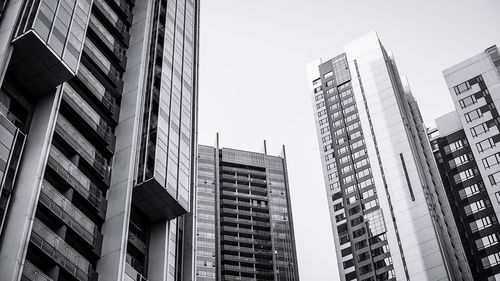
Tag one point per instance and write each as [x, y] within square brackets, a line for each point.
[244, 225]
[375, 169]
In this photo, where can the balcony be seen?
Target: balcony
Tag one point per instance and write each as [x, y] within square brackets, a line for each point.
[73, 177]
[245, 213]
[244, 195]
[82, 146]
[113, 45]
[61, 253]
[98, 90]
[247, 222]
[93, 119]
[244, 204]
[137, 237]
[261, 252]
[70, 215]
[233, 229]
[246, 240]
[155, 201]
[245, 171]
[132, 275]
[103, 64]
[113, 19]
[247, 260]
[32, 273]
[42, 60]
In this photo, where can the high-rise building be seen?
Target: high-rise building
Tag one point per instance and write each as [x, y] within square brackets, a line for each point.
[98, 121]
[244, 227]
[465, 148]
[379, 171]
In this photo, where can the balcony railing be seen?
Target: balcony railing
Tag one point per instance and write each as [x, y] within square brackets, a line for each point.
[261, 252]
[247, 222]
[244, 195]
[82, 146]
[108, 39]
[245, 230]
[132, 273]
[32, 273]
[57, 249]
[97, 89]
[68, 213]
[246, 240]
[75, 179]
[113, 19]
[101, 128]
[110, 71]
[240, 170]
[242, 203]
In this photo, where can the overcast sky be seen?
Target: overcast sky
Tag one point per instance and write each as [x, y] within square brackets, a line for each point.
[253, 84]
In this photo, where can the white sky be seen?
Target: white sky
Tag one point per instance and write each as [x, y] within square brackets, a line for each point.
[253, 83]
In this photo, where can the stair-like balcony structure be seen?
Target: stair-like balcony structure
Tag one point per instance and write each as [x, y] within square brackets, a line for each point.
[48, 43]
[61, 253]
[70, 174]
[75, 219]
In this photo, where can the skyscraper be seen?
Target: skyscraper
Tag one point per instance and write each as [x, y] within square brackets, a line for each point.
[244, 226]
[385, 216]
[465, 149]
[98, 121]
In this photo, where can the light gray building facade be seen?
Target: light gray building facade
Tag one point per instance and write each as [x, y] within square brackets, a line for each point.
[379, 171]
[243, 217]
[465, 146]
[98, 139]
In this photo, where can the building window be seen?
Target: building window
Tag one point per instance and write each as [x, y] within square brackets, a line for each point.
[475, 207]
[320, 105]
[370, 204]
[491, 160]
[329, 83]
[473, 115]
[331, 166]
[339, 132]
[491, 260]
[321, 113]
[469, 191]
[487, 241]
[329, 156]
[365, 183]
[328, 75]
[481, 224]
[334, 185]
[325, 130]
[467, 101]
[348, 179]
[363, 173]
[323, 121]
[497, 195]
[458, 161]
[464, 175]
[479, 129]
[462, 87]
[485, 144]
[370, 192]
[346, 169]
[452, 147]
[350, 189]
[495, 178]
[326, 138]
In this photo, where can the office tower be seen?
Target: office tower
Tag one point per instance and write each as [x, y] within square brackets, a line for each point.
[98, 121]
[244, 227]
[383, 209]
[465, 149]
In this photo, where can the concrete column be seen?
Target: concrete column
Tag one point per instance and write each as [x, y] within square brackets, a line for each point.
[15, 240]
[111, 266]
[157, 252]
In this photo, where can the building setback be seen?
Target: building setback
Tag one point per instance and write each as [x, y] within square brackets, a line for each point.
[244, 227]
[381, 179]
[98, 121]
[465, 148]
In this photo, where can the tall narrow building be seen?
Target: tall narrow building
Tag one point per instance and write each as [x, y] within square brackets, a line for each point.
[385, 216]
[468, 157]
[244, 226]
[98, 121]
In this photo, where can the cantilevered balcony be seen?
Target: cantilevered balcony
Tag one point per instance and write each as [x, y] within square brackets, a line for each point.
[114, 45]
[75, 219]
[73, 177]
[156, 202]
[61, 253]
[48, 43]
[82, 146]
[104, 64]
[32, 273]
